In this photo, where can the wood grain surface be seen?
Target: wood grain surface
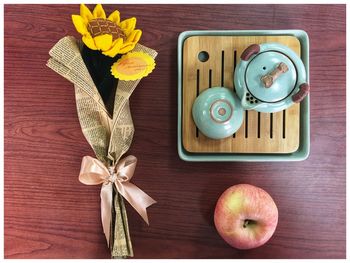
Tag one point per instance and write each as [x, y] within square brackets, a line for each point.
[49, 214]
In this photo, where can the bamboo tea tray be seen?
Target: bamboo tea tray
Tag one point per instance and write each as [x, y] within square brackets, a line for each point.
[208, 59]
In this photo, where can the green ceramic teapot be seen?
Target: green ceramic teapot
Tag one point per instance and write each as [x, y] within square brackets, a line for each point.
[270, 77]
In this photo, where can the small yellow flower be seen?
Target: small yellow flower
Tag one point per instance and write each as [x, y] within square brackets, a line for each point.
[133, 66]
[109, 35]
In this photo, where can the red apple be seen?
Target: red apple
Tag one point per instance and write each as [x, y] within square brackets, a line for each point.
[245, 216]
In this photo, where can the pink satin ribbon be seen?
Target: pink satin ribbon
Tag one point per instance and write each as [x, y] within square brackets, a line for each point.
[94, 172]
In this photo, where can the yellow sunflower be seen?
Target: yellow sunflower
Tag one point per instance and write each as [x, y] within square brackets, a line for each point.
[109, 35]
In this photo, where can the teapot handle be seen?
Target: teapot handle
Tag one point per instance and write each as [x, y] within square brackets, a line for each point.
[250, 51]
[304, 89]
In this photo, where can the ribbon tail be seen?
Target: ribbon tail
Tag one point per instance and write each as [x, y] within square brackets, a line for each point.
[106, 209]
[137, 198]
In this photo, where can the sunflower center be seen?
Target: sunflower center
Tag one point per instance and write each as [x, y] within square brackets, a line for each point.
[100, 26]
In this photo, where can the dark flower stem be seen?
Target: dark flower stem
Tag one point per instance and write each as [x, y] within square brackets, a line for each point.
[99, 67]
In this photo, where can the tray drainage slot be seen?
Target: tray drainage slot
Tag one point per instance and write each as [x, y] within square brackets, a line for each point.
[246, 124]
[234, 66]
[197, 86]
[259, 125]
[271, 125]
[210, 72]
[284, 125]
[222, 67]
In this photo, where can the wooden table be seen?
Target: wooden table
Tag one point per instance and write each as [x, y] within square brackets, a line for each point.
[49, 214]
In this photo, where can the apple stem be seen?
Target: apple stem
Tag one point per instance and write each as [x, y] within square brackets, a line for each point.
[247, 222]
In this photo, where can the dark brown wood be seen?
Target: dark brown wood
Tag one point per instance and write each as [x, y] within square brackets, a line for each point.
[49, 214]
[250, 51]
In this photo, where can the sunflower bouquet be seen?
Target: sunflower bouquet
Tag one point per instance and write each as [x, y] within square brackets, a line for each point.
[105, 67]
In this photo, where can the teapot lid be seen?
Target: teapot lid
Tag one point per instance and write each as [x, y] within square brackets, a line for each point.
[269, 64]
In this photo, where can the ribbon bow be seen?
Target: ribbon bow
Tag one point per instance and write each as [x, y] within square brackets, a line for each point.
[94, 172]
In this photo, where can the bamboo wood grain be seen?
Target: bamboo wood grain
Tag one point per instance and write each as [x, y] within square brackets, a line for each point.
[276, 133]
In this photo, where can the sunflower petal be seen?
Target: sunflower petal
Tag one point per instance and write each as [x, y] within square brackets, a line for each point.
[79, 24]
[89, 41]
[128, 25]
[116, 45]
[99, 12]
[131, 41]
[126, 48]
[85, 13]
[115, 17]
[103, 42]
[134, 36]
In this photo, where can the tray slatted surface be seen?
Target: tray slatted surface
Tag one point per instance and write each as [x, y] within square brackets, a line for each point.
[260, 132]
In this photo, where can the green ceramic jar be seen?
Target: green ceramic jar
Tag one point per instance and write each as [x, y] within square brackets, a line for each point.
[217, 113]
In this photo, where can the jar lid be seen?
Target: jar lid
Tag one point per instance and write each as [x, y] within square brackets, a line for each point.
[266, 63]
